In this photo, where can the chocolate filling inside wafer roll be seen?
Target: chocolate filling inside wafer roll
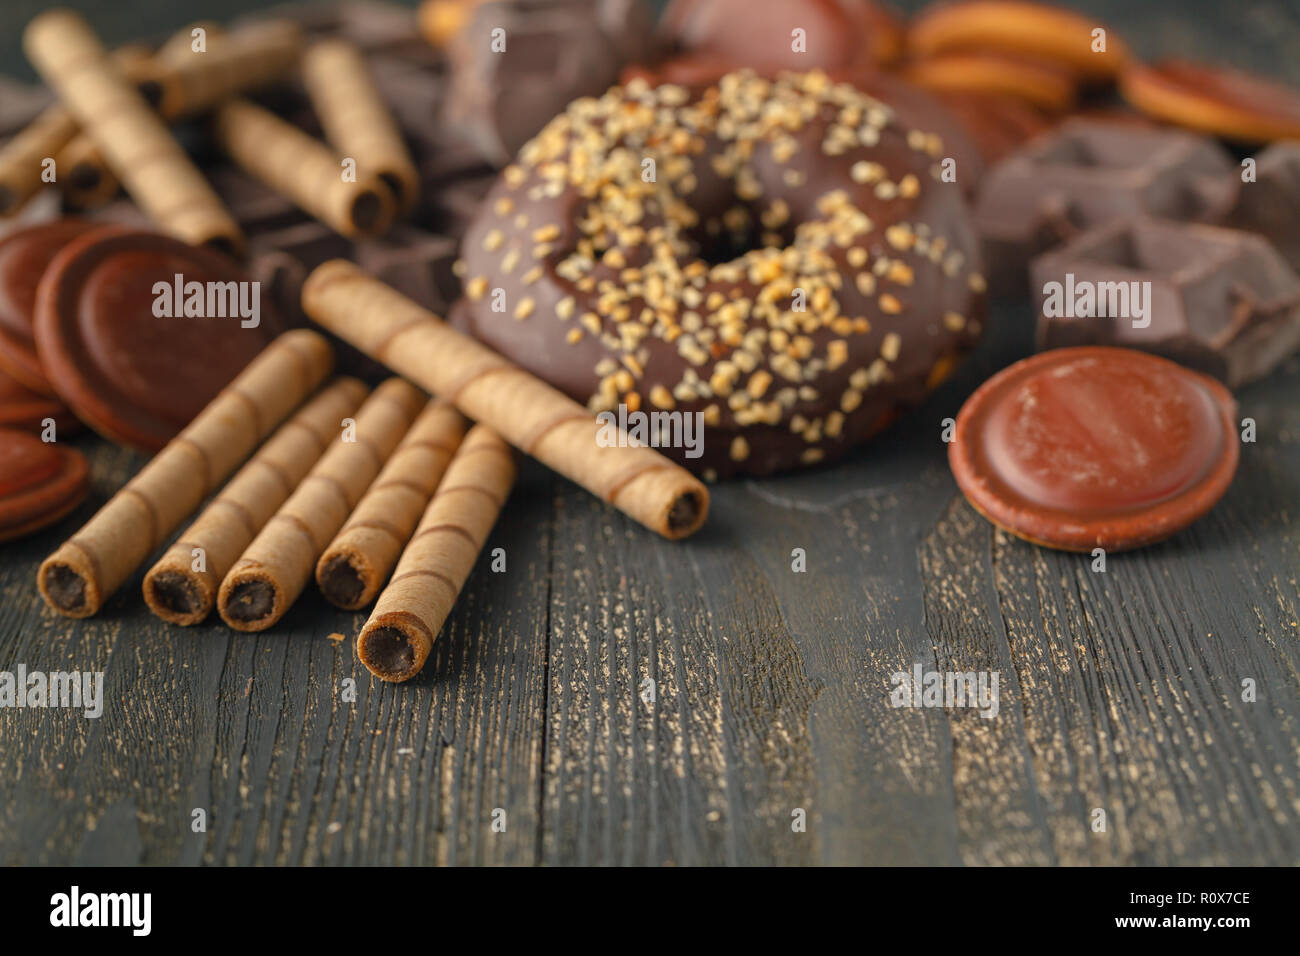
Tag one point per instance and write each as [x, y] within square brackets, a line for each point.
[367, 210]
[65, 587]
[685, 512]
[395, 184]
[250, 601]
[83, 177]
[387, 652]
[341, 582]
[175, 592]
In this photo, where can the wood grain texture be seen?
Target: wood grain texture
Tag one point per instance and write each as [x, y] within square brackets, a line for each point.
[1120, 690]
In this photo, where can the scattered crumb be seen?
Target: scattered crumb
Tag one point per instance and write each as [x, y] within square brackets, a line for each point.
[337, 637]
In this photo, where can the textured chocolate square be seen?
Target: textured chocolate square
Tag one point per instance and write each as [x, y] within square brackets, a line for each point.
[1087, 173]
[1271, 204]
[556, 51]
[1218, 300]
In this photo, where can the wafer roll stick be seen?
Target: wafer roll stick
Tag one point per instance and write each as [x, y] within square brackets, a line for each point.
[22, 157]
[84, 176]
[194, 81]
[302, 169]
[356, 120]
[139, 149]
[77, 578]
[274, 569]
[527, 412]
[361, 556]
[178, 591]
[396, 640]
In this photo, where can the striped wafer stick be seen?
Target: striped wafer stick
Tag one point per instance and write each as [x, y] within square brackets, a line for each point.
[302, 169]
[356, 120]
[490, 389]
[396, 640]
[77, 578]
[193, 81]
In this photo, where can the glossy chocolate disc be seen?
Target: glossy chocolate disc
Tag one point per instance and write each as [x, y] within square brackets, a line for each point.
[134, 376]
[1092, 447]
[22, 408]
[39, 482]
[24, 256]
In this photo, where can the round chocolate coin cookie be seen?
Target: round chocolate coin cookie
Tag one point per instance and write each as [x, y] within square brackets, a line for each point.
[24, 256]
[1095, 447]
[138, 331]
[40, 482]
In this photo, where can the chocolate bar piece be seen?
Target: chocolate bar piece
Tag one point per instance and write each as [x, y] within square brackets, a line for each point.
[20, 103]
[1270, 204]
[1088, 173]
[555, 51]
[1218, 300]
[417, 264]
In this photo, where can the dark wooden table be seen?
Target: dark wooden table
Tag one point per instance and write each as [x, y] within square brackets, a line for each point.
[1120, 691]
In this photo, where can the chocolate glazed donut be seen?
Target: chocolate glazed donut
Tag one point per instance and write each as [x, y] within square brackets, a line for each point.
[780, 256]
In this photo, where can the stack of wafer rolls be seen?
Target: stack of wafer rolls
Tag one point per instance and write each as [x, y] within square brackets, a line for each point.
[54, 134]
[178, 82]
[182, 586]
[77, 578]
[274, 569]
[531, 415]
[363, 553]
[355, 118]
[396, 640]
[136, 144]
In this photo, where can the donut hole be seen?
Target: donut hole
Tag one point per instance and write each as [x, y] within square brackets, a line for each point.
[726, 238]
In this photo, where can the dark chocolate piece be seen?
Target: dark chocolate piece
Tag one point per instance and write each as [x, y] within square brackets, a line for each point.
[1271, 204]
[1095, 448]
[555, 52]
[415, 263]
[20, 103]
[1087, 173]
[255, 207]
[1218, 300]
